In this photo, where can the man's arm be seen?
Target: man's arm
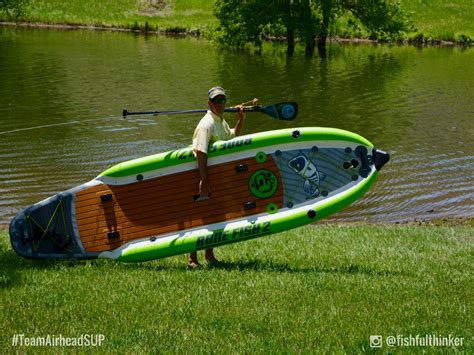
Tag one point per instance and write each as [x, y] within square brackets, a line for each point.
[240, 123]
[204, 189]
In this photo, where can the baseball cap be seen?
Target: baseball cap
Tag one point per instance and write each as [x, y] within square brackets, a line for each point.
[215, 91]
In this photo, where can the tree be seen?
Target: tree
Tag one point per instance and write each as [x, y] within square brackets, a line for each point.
[251, 21]
[13, 8]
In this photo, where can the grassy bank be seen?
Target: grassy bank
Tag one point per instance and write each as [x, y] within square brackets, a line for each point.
[315, 289]
[435, 20]
[168, 16]
[441, 20]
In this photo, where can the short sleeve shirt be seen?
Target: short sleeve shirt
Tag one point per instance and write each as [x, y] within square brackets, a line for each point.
[210, 129]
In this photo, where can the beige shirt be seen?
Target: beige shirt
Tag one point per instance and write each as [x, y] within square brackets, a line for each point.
[210, 129]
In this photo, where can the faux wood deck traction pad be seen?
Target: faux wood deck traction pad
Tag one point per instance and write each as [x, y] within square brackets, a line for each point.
[109, 216]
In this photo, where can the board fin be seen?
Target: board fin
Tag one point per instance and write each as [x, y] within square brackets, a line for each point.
[380, 158]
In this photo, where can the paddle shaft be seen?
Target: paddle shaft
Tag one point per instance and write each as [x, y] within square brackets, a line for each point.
[281, 111]
[173, 112]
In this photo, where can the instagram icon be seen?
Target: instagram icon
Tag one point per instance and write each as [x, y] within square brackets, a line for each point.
[375, 341]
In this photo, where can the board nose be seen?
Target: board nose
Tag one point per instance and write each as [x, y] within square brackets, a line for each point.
[380, 158]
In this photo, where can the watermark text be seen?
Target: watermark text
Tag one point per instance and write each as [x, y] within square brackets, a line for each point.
[58, 340]
[428, 340]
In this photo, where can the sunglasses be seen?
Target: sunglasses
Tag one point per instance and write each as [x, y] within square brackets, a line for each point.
[219, 100]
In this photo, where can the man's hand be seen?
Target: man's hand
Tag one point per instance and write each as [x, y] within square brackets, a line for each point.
[241, 112]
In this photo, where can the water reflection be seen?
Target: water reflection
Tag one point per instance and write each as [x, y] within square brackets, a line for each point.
[415, 103]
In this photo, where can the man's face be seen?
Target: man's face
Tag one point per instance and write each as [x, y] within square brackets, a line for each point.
[217, 104]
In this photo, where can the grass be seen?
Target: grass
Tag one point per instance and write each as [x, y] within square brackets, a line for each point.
[315, 289]
[441, 19]
[435, 20]
[150, 15]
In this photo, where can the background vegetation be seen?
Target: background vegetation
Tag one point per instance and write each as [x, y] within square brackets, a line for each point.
[434, 20]
[310, 20]
[322, 288]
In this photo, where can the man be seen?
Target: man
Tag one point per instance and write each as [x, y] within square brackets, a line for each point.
[210, 129]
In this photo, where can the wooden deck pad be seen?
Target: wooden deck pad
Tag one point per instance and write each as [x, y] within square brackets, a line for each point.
[109, 216]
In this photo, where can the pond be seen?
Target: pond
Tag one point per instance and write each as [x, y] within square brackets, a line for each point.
[62, 94]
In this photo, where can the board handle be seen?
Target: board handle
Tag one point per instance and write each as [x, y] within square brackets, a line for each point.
[198, 197]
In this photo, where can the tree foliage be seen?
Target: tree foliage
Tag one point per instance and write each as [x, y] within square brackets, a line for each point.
[13, 8]
[252, 21]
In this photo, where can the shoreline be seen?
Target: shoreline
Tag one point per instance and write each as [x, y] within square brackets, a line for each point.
[422, 222]
[451, 221]
[59, 26]
[197, 33]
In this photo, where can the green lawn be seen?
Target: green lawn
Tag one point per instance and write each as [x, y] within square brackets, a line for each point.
[441, 19]
[323, 288]
[172, 16]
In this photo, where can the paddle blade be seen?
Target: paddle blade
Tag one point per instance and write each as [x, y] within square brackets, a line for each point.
[286, 111]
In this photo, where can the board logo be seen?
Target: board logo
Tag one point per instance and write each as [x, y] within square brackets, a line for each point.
[308, 171]
[263, 183]
[287, 111]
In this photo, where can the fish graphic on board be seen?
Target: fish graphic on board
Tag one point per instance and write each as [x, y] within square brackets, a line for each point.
[308, 171]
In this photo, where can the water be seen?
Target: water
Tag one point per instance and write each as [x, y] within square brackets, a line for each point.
[418, 104]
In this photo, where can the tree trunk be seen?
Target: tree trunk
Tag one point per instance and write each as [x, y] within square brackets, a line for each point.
[326, 9]
[310, 45]
[322, 51]
[290, 37]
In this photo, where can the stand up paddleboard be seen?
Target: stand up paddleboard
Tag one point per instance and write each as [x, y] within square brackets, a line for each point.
[146, 208]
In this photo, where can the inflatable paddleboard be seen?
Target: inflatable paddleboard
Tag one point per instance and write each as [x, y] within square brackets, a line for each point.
[147, 208]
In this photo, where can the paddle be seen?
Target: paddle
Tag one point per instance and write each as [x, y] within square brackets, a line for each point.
[285, 111]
